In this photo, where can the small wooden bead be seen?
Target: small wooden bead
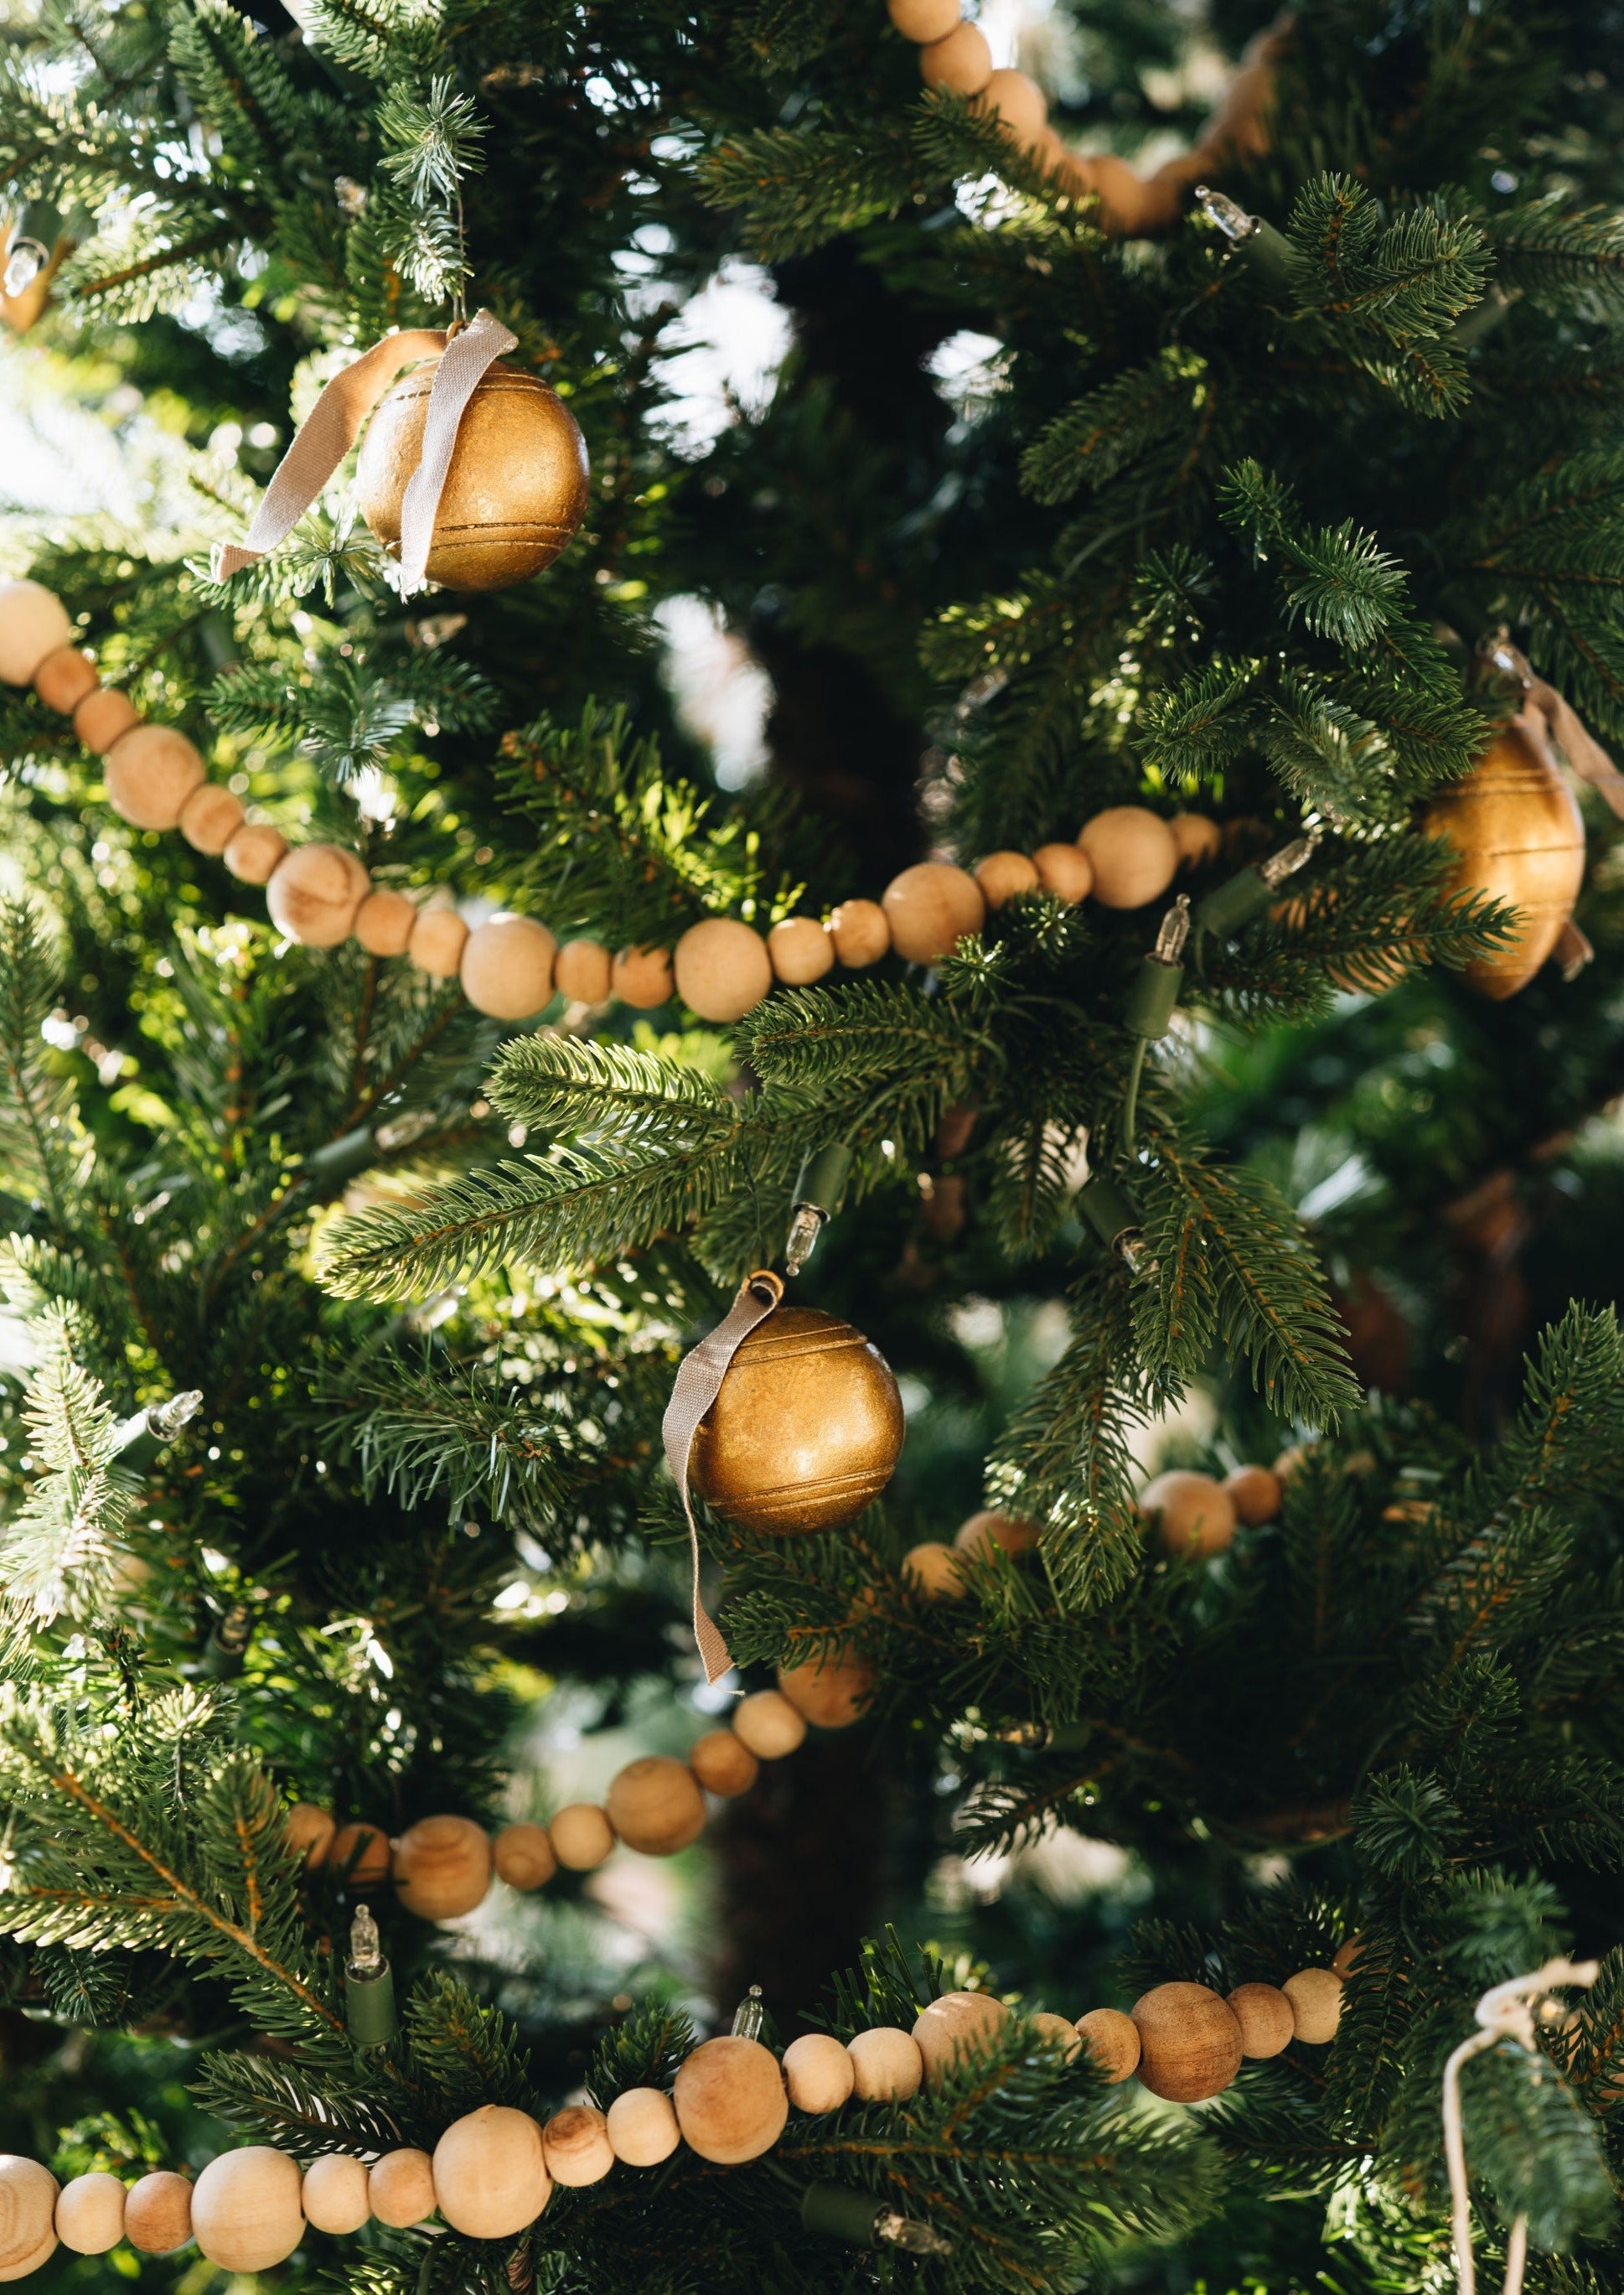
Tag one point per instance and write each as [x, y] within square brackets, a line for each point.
[1059, 2029]
[384, 922]
[64, 678]
[800, 949]
[1198, 838]
[769, 1725]
[309, 1832]
[576, 2145]
[1347, 1954]
[642, 977]
[254, 853]
[1002, 875]
[1133, 855]
[956, 2024]
[361, 1854]
[1020, 103]
[1256, 1493]
[27, 2198]
[581, 1837]
[723, 1763]
[149, 773]
[729, 2100]
[1315, 1994]
[103, 717]
[931, 906]
[923, 20]
[831, 1691]
[1264, 2016]
[861, 932]
[442, 1867]
[581, 971]
[490, 2173]
[246, 2214]
[89, 2217]
[524, 1855]
[990, 1527]
[817, 2073]
[437, 942]
[655, 1805]
[336, 2194]
[643, 2127]
[1194, 1515]
[400, 2189]
[314, 893]
[1121, 205]
[507, 967]
[210, 817]
[158, 2212]
[33, 623]
[886, 2065]
[722, 969]
[932, 1569]
[1066, 871]
[961, 62]
[1112, 2042]
[1189, 2042]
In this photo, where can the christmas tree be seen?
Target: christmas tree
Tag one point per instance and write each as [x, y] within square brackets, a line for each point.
[1042, 856]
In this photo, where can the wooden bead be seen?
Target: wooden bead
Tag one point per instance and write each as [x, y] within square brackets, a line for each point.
[1019, 103]
[769, 1725]
[384, 922]
[33, 623]
[576, 2147]
[1066, 871]
[817, 2073]
[932, 1570]
[361, 1854]
[149, 773]
[581, 1837]
[1315, 1994]
[729, 2100]
[1002, 875]
[245, 2209]
[1347, 1954]
[437, 942]
[956, 2025]
[314, 893]
[336, 2195]
[1059, 2030]
[722, 969]
[89, 2218]
[989, 1528]
[1521, 839]
[27, 2191]
[1257, 1494]
[210, 817]
[158, 2212]
[581, 971]
[524, 1855]
[655, 1805]
[1112, 2042]
[64, 678]
[103, 717]
[931, 906]
[801, 949]
[1264, 2016]
[961, 62]
[923, 20]
[1291, 1461]
[831, 1691]
[1121, 206]
[1198, 838]
[400, 2189]
[641, 2125]
[1133, 855]
[886, 2065]
[507, 967]
[1189, 2042]
[309, 1832]
[642, 977]
[1194, 1515]
[490, 2173]
[861, 932]
[442, 1867]
[723, 1763]
[254, 851]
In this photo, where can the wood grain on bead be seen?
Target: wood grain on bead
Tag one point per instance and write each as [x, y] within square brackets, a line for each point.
[246, 2214]
[731, 2101]
[490, 2173]
[210, 817]
[1112, 2042]
[64, 678]
[1019, 103]
[442, 1867]
[401, 2189]
[1256, 1494]
[1194, 1515]
[641, 2125]
[961, 62]
[817, 2073]
[831, 1690]
[89, 2218]
[655, 1805]
[27, 2194]
[158, 2212]
[581, 1837]
[1189, 2042]
[105, 717]
[581, 971]
[1133, 855]
[1066, 871]
[149, 773]
[337, 2194]
[438, 938]
[1315, 1996]
[576, 2145]
[769, 1725]
[955, 2026]
[642, 977]
[923, 20]
[309, 1832]
[931, 906]
[506, 969]
[861, 932]
[384, 922]
[1059, 2030]
[314, 893]
[33, 623]
[932, 1569]
[255, 852]
[723, 1763]
[722, 969]
[1198, 839]
[1002, 875]
[886, 2065]
[360, 1855]
[1264, 2016]
[991, 1528]
[524, 1855]
[801, 951]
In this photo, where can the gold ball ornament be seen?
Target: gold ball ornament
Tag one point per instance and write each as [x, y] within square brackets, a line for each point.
[384, 922]
[308, 1832]
[149, 773]
[831, 1691]
[1112, 2042]
[992, 1528]
[360, 1855]
[336, 2195]
[158, 2213]
[581, 1837]
[1133, 855]
[89, 2218]
[861, 932]
[523, 1856]
[254, 853]
[886, 2065]
[932, 1570]
[1264, 2016]
[1189, 2042]
[33, 623]
[641, 2125]
[576, 2145]
[490, 2173]
[515, 493]
[954, 2026]
[1002, 875]
[655, 1805]
[768, 1725]
[211, 817]
[923, 20]
[400, 2189]
[442, 1867]
[1066, 871]
[1256, 1494]
[961, 62]
[1057, 2029]
[642, 977]
[314, 893]
[438, 940]
[1019, 103]
[246, 2213]
[722, 969]
[723, 1763]
[931, 906]
[817, 2073]
[1315, 1994]
[581, 971]
[805, 1430]
[801, 949]
[731, 2101]
[64, 678]
[506, 969]
[28, 2197]
[103, 717]
[1194, 1515]
[1521, 839]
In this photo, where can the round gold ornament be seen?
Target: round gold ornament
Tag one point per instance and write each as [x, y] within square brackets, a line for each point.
[1518, 832]
[516, 490]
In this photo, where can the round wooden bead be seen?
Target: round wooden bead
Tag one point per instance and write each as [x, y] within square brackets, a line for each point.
[1189, 2042]
[442, 1867]
[931, 906]
[158, 2212]
[932, 1569]
[655, 1805]
[1019, 103]
[149, 773]
[1255, 1493]
[33, 623]
[210, 817]
[1195, 1516]
[1121, 209]
[1315, 1994]
[507, 967]
[729, 2100]
[490, 2173]
[314, 893]
[1112, 2042]
[336, 2195]
[1059, 2029]
[989, 1528]
[437, 942]
[103, 717]
[642, 977]
[1346, 1953]
[768, 1725]
[723, 1763]
[961, 62]
[956, 2025]
[245, 2209]
[581, 971]
[1264, 2016]
[722, 968]
[1133, 855]
[831, 1691]
[309, 1832]
[642, 2128]
[89, 2217]
[801, 949]
[1198, 838]
[817, 2073]
[1002, 875]
[400, 2189]
[384, 922]
[254, 851]
[581, 1837]
[524, 1855]
[576, 2147]
[1065, 870]
[1521, 839]
[923, 20]
[27, 2191]
[886, 2065]
[64, 678]
[861, 932]
[361, 1853]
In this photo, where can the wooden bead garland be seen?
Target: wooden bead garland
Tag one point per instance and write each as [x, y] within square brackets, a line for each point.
[641, 2126]
[442, 1867]
[158, 2213]
[1264, 2015]
[955, 2025]
[34, 624]
[1194, 1515]
[1112, 2042]
[506, 969]
[656, 1805]
[887, 2066]
[576, 2145]
[731, 2101]
[149, 773]
[817, 2073]
[1189, 2042]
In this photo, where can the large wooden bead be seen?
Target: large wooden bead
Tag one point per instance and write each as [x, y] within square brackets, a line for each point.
[641, 2125]
[801, 949]
[817, 2073]
[90, 2214]
[1019, 103]
[1255, 1493]
[656, 1805]
[576, 2147]
[861, 932]
[581, 1837]
[1198, 838]
[1189, 2042]
[769, 1725]
[642, 977]
[246, 2214]
[210, 817]
[932, 1569]
[923, 20]
[955, 2026]
[723, 1763]
[33, 623]
[336, 2195]
[722, 968]
[438, 938]
[1133, 855]
[360, 1853]
[806, 1430]
[384, 922]
[931, 906]
[309, 1832]
[507, 967]
[524, 1855]
[1002, 875]
[149, 773]
[1112, 2042]
[490, 2173]
[1514, 822]
[64, 678]
[831, 1691]
[1194, 1515]
[314, 893]
[1264, 2016]
[1065, 870]
[103, 718]
[442, 1867]
[991, 1528]
[581, 971]
[254, 853]
[158, 2212]
[961, 62]
[1315, 1994]
[27, 2191]
[886, 2065]
[401, 2189]
[516, 490]
[729, 2100]
[1346, 1954]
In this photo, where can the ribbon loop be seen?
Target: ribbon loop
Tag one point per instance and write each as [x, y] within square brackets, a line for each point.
[1547, 716]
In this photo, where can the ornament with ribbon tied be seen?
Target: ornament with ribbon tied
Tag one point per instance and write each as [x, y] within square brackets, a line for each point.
[472, 473]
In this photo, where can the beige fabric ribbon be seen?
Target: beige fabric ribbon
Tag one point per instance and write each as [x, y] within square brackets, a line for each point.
[1546, 716]
[335, 423]
[698, 1383]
